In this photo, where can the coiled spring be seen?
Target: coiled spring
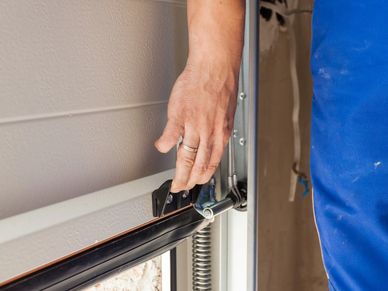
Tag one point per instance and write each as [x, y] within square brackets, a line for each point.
[201, 248]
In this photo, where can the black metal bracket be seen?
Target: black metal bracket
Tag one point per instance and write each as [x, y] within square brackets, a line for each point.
[201, 196]
[165, 202]
[240, 193]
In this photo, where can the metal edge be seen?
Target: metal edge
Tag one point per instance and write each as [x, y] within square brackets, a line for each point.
[113, 256]
[253, 126]
[173, 270]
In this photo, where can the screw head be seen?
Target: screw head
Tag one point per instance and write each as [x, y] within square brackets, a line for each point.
[242, 96]
[235, 132]
[169, 199]
[242, 141]
[185, 194]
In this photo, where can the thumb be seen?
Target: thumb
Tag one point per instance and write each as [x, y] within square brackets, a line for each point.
[169, 138]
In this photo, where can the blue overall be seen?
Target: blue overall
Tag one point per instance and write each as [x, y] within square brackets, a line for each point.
[349, 151]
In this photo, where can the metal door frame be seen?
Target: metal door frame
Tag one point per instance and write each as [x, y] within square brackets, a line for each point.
[253, 126]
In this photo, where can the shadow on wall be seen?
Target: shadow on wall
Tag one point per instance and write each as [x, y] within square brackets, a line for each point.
[289, 248]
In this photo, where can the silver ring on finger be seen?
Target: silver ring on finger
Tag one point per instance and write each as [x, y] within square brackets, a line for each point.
[189, 148]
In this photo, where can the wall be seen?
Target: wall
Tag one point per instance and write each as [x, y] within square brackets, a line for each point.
[290, 257]
[83, 92]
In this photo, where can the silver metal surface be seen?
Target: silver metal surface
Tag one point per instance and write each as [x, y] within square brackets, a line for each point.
[218, 208]
[208, 205]
[242, 141]
[231, 159]
[242, 96]
[253, 95]
[208, 213]
[170, 198]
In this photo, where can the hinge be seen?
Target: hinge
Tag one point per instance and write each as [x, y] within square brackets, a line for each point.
[208, 206]
[202, 197]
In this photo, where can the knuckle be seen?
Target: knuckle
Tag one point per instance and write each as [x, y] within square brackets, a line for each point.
[207, 147]
[174, 122]
[204, 129]
[209, 173]
[205, 142]
[212, 167]
[218, 153]
[187, 162]
[199, 168]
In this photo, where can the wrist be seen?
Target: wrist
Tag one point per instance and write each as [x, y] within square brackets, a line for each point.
[216, 75]
[216, 30]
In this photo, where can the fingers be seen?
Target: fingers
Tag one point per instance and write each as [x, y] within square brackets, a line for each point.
[214, 161]
[170, 136]
[198, 168]
[220, 141]
[185, 161]
[201, 164]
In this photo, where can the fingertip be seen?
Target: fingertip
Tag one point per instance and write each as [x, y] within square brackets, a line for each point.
[206, 178]
[157, 146]
[190, 186]
[168, 139]
[174, 188]
[163, 146]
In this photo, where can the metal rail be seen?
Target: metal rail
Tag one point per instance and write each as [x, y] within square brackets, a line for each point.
[253, 125]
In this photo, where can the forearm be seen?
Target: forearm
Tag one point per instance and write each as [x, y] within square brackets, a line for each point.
[216, 30]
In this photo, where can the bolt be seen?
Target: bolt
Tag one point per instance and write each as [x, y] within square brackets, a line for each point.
[169, 199]
[242, 96]
[242, 141]
[208, 213]
[185, 194]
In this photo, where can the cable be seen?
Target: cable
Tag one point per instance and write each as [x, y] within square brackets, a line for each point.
[296, 175]
[284, 11]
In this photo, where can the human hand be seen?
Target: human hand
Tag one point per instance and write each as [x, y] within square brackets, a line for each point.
[203, 100]
[201, 110]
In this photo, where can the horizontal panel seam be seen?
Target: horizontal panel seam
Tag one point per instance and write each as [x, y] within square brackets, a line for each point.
[171, 2]
[69, 114]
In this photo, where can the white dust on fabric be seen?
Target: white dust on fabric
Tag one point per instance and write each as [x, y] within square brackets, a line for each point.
[377, 164]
